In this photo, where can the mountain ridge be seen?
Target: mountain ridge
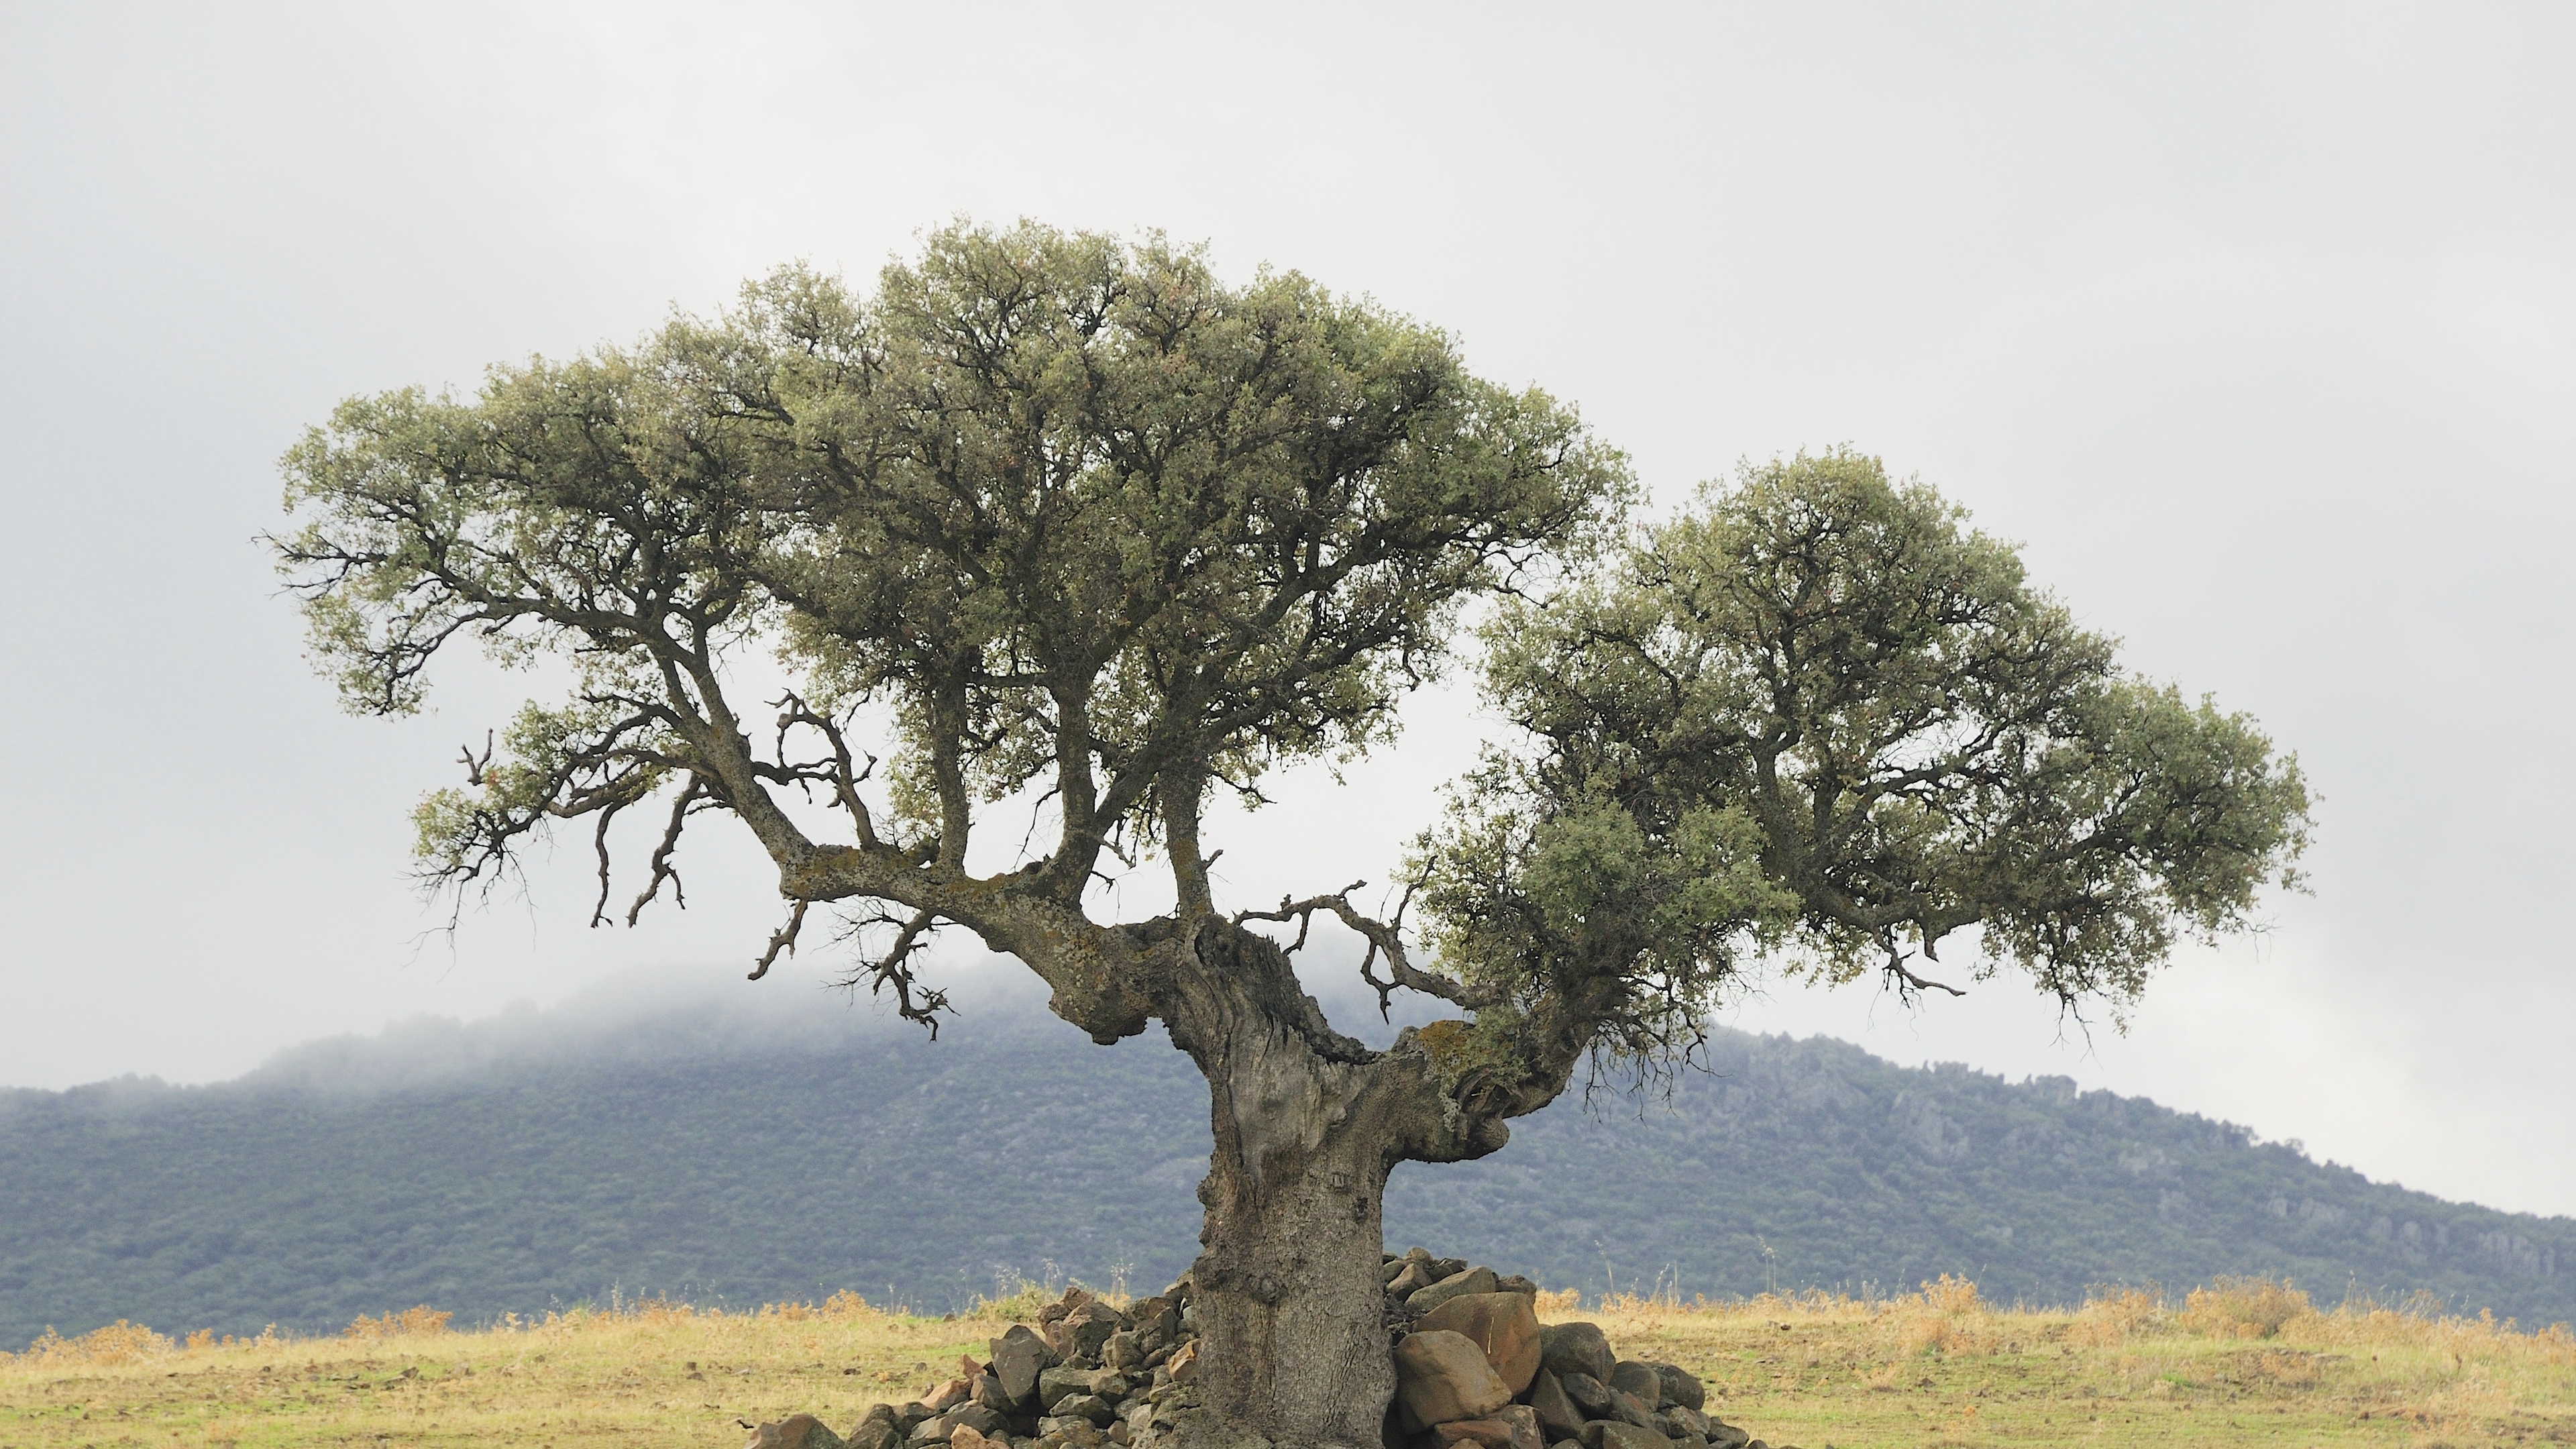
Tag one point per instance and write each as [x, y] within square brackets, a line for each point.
[534, 1162]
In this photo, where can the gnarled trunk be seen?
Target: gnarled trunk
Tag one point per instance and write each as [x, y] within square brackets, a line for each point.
[1290, 1301]
[1308, 1123]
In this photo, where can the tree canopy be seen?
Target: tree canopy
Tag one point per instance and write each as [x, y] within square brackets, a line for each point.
[1818, 716]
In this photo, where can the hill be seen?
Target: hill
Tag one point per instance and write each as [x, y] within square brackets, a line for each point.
[530, 1164]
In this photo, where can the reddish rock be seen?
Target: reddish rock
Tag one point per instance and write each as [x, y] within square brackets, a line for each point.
[1502, 1324]
[947, 1396]
[1512, 1427]
[1442, 1377]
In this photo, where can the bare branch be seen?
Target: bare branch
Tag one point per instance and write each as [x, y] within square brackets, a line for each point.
[1907, 982]
[1384, 939]
[782, 939]
[662, 868]
[892, 970]
[839, 772]
[475, 765]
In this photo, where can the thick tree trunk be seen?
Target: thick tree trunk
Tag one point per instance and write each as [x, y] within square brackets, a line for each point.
[1291, 1309]
[1290, 1300]
[1291, 1304]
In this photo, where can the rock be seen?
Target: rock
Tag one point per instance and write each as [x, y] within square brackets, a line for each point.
[1158, 1323]
[1685, 1420]
[1522, 1420]
[1503, 1324]
[972, 1416]
[964, 1436]
[987, 1390]
[1471, 1280]
[1058, 1384]
[1409, 1279]
[1576, 1348]
[1183, 1365]
[877, 1429]
[796, 1431]
[1727, 1436]
[1627, 1408]
[1080, 1334]
[1589, 1395]
[1611, 1434]
[947, 1396]
[1632, 1377]
[1447, 1267]
[1512, 1427]
[1019, 1356]
[1515, 1283]
[1125, 1351]
[1086, 1406]
[1442, 1377]
[1680, 1385]
[1556, 1413]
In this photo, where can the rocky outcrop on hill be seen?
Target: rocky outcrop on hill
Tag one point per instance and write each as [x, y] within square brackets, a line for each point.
[1474, 1369]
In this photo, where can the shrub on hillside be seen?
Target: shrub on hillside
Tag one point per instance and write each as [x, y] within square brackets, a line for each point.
[419, 1321]
[2244, 1308]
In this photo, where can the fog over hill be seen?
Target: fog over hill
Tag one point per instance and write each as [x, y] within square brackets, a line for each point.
[766, 1145]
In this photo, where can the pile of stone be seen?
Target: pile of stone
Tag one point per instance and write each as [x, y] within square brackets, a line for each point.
[1474, 1370]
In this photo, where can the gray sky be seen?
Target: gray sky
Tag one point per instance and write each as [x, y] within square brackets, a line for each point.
[2256, 325]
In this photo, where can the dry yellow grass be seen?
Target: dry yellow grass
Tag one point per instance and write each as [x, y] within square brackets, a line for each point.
[2238, 1363]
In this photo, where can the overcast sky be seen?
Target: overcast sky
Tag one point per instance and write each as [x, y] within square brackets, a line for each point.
[2256, 326]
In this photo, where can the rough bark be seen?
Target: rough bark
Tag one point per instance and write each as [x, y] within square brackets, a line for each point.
[1307, 1125]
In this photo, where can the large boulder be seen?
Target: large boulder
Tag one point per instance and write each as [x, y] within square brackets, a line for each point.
[1504, 1325]
[1055, 1385]
[947, 1396]
[1588, 1393]
[1611, 1434]
[1629, 1376]
[1086, 1406]
[986, 1388]
[973, 1416]
[1556, 1413]
[1512, 1427]
[1442, 1377]
[1680, 1385]
[877, 1429]
[1576, 1348]
[1472, 1280]
[796, 1431]
[1083, 1331]
[1627, 1408]
[1019, 1356]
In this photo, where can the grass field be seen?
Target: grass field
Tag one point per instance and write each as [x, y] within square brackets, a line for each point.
[2241, 1364]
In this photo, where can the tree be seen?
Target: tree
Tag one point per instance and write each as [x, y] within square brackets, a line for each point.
[1055, 518]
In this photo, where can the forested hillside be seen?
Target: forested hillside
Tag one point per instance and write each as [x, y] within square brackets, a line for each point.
[486, 1176]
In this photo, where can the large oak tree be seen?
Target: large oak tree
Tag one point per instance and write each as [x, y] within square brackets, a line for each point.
[1062, 524]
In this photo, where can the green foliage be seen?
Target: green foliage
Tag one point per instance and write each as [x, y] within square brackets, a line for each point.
[1067, 506]
[1819, 712]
